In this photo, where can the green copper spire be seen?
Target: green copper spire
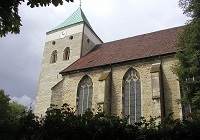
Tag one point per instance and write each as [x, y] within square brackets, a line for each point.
[77, 17]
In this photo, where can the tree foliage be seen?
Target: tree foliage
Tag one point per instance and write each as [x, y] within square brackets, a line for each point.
[17, 111]
[63, 123]
[10, 20]
[10, 109]
[190, 7]
[188, 68]
[4, 105]
[10, 116]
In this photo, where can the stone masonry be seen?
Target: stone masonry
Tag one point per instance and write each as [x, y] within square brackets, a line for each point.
[49, 75]
[171, 86]
[79, 44]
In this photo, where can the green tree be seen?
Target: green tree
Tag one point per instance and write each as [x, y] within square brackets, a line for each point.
[17, 111]
[10, 117]
[188, 67]
[10, 21]
[4, 105]
[10, 110]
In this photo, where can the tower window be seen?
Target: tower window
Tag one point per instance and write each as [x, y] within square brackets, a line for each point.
[54, 42]
[54, 56]
[71, 37]
[88, 41]
[66, 53]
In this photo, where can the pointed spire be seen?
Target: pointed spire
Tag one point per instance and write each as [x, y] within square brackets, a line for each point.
[77, 17]
[80, 3]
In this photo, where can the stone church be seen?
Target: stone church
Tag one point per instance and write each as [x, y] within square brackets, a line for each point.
[128, 77]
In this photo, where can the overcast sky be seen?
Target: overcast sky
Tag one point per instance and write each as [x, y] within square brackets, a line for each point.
[21, 55]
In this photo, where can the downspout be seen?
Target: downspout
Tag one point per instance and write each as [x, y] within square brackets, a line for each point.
[162, 91]
[110, 89]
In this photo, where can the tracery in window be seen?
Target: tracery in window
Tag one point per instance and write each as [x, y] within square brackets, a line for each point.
[54, 56]
[66, 53]
[131, 98]
[84, 95]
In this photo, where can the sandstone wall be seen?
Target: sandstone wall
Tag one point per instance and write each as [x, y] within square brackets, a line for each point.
[49, 73]
[70, 87]
[56, 97]
[170, 86]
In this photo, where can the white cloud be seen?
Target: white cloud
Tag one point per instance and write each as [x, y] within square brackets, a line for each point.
[24, 100]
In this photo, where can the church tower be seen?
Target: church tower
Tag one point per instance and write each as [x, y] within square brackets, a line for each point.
[64, 44]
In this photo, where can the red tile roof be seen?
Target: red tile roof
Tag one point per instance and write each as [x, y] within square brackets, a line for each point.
[133, 48]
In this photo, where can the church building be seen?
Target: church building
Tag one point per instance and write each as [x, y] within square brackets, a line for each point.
[128, 77]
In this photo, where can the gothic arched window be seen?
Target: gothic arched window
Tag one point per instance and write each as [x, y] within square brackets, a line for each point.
[54, 56]
[66, 53]
[131, 98]
[84, 95]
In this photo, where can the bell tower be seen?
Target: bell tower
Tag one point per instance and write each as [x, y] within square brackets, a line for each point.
[64, 44]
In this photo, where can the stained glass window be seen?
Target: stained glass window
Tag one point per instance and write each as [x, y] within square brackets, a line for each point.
[131, 98]
[84, 95]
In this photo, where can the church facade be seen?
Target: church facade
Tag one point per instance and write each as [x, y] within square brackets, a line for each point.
[128, 77]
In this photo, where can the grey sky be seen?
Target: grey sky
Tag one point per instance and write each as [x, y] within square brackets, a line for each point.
[21, 55]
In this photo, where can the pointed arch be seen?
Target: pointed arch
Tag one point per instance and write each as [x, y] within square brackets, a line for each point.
[131, 98]
[84, 95]
[54, 56]
[66, 53]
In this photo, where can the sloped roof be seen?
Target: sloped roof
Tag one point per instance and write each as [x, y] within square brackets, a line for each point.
[133, 48]
[77, 17]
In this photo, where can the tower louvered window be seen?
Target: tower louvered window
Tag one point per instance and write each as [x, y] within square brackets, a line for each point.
[84, 95]
[131, 99]
[54, 56]
[66, 53]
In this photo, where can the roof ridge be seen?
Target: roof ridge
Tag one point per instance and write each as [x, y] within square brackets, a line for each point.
[153, 32]
[85, 20]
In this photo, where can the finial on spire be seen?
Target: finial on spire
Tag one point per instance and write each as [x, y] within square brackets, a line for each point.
[80, 3]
